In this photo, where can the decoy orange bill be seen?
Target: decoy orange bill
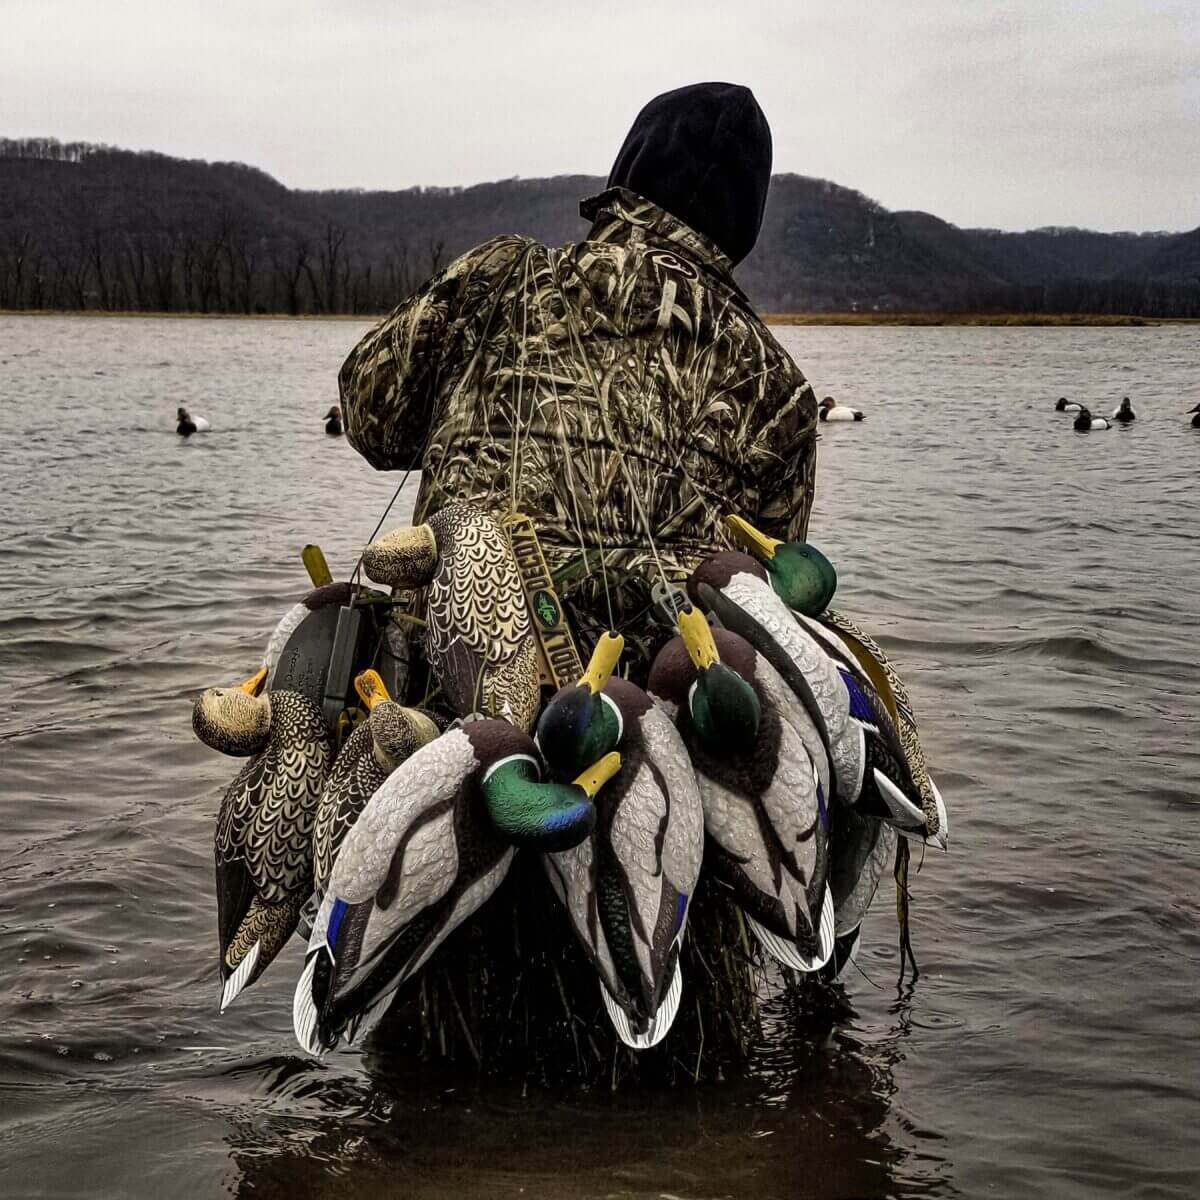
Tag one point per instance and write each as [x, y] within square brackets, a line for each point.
[371, 688]
[254, 684]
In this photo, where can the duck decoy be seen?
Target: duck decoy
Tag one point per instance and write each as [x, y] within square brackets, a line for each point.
[862, 849]
[479, 641]
[433, 843]
[830, 410]
[333, 421]
[1124, 412]
[1084, 421]
[389, 736]
[1195, 417]
[627, 886]
[1065, 405]
[800, 574]
[762, 792]
[186, 424]
[263, 843]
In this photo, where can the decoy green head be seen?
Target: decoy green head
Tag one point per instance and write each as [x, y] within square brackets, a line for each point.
[545, 816]
[396, 731]
[234, 720]
[581, 724]
[724, 707]
[803, 578]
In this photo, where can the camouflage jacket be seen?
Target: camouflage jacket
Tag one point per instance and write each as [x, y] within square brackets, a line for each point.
[619, 391]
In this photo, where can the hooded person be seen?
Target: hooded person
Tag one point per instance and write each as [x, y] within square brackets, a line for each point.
[621, 392]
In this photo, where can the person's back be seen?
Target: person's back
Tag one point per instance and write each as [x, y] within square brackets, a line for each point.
[620, 392]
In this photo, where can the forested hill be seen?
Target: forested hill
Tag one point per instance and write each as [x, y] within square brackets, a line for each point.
[95, 227]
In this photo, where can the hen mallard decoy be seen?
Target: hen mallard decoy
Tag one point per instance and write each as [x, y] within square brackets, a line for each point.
[389, 736]
[433, 843]
[479, 640]
[263, 843]
[627, 886]
[763, 777]
[802, 577]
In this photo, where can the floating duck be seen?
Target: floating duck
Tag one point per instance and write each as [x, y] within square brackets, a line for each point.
[1124, 413]
[802, 577]
[430, 847]
[333, 422]
[187, 424]
[390, 735]
[762, 793]
[479, 640]
[830, 410]
[627, 886]
[1085, 421]
[263, 841]
[1065, 405]
[1196, 417]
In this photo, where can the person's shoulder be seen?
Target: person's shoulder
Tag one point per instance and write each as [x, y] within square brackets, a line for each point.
[490, 257]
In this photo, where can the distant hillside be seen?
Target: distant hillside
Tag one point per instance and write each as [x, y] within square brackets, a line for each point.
[85, 226]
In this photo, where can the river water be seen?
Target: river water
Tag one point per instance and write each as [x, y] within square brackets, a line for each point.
[1040, 590]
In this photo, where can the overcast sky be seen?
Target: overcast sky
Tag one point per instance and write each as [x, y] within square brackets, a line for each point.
[1009, 113]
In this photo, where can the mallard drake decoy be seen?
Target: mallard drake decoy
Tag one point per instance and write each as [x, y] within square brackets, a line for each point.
[1065, 405]
[627, 886]
[433, 843]
[1124, 412]
[1084, 421]
[803, 578]
[389, 736]
[830, 410]
[1196, 416]
[263, 843]
[186, 424]
[479, 640]
[873, 770]
[333, 421]
[762, 792]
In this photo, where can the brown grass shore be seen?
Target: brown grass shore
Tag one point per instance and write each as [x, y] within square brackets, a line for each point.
[800, 318]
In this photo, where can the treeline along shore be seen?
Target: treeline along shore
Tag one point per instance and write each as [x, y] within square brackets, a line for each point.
[95, 228]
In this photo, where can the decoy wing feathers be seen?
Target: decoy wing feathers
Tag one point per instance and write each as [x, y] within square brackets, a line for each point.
[683, 843]
[355, 778]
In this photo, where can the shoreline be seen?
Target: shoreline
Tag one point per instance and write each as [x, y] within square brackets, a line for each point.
[1069, 320]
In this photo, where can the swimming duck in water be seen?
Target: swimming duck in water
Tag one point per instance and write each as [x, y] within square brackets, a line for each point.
[1065, 405]
[802, 577]
[430, 847]
[1124, 413]
[830, 410]
[762, 793]
[333, 422]
[478, 638]
[1196, 417]
[263, 843]
[1085, 421]
[626, 887]
[186, 424]
[390, 735]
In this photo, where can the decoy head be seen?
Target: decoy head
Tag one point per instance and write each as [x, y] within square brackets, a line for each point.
[1061, 406]
[1124, 404]
[335, 411]
[235, 720]
[1083, 419]
[546, 816]
[803, 578]
[581, 724]
[724, 708]
[405, 558]
[396, 731]
[1194, 410]
[827, 403]
[181, 414]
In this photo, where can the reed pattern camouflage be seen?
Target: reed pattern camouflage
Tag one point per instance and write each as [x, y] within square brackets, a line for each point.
[620, 391]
